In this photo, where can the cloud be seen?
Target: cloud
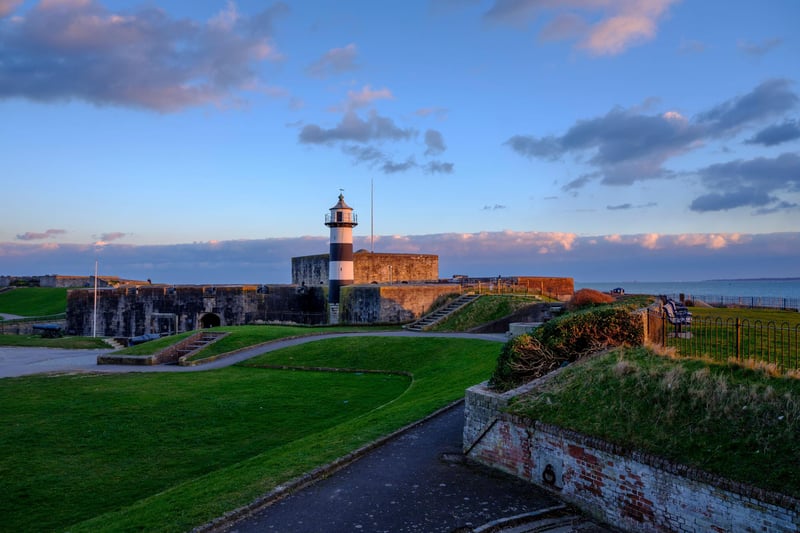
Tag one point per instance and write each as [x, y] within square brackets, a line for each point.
[749, 183]
[113, 236]
[390, 167]
[7, 6]
[354, 128]
[777, 134]
[66, 50]
[646, 257]
[33, 236]
[365, 97]
[375, 158]
[628, 145]
[335, 61]
[767, 100]
[439, 112]
[438, 167]
[600, 28]
[758, 49]
[627, 206]
[435, 143]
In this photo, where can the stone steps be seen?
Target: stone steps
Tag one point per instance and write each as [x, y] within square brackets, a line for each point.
[430, 320]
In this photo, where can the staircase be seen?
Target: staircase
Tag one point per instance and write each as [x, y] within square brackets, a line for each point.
[430, 320]
[195, 343]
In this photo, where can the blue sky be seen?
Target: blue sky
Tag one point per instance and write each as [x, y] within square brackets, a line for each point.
[203, 141]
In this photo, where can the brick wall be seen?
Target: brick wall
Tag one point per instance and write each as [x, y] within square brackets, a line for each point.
[559, 288]
[632, 490]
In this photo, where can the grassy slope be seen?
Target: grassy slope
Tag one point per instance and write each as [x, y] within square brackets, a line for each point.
[34, 301]
[171, 451]
[484, 309]
[764, 315]
[735, 422]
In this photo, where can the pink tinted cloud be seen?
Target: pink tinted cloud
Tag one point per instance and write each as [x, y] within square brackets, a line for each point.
[367, 95]
[34, 236]
[621, 24]
[590, 258]
[7, 6]
[81, 49]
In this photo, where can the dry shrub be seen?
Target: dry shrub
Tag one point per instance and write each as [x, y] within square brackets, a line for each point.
[564, 340]
[588, 298]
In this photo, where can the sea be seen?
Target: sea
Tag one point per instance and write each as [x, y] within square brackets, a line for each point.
[788, 288]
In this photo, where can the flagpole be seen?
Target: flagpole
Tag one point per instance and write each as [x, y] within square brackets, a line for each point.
[94, 315]
[372, 215]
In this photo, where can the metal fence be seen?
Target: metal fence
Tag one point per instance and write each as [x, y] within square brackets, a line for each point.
[754, 302]
[723, 339]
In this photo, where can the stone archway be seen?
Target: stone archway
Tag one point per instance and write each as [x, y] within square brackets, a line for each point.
[210, 320]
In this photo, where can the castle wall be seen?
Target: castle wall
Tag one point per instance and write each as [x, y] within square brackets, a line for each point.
[312, 270]
[559, 288]
[388, 304]
[132, 311]
[395, 268]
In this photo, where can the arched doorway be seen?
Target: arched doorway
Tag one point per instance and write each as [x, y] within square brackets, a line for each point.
[209, 320]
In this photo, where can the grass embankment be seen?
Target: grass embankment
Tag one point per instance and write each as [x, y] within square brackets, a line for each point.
[34, 301]
[241, 337]
[484, 309]
[71, 343]
[166, 452]
[752, 315]
[739, 423]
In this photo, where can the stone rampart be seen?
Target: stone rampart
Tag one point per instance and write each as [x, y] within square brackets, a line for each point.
[312, 270]
[132, 311]
[558, 288]
[388, 304]
[635, 491]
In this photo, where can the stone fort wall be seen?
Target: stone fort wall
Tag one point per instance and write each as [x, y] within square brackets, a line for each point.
[312, 270]
[55, 280]
[389, 304]
[132, 311]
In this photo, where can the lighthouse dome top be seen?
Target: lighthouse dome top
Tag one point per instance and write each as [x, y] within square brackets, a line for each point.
[340, 204]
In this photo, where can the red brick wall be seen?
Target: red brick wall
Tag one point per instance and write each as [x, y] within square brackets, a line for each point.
[629, 489]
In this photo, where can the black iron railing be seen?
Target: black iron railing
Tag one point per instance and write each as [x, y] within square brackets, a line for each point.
[724, 339]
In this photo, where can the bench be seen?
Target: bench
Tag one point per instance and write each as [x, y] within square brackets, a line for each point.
[677, 314]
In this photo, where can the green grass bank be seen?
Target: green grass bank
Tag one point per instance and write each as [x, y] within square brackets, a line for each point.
[731, 420]
[167, 452]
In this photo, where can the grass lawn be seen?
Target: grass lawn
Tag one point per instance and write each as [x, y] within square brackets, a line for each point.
[34, 301]
[167, 452]
[242, 337]
[72, 343]
[736, 422]
[484, 309]
[766, 335]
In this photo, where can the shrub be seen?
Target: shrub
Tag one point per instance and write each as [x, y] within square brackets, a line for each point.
[562, 341]
[588, 298]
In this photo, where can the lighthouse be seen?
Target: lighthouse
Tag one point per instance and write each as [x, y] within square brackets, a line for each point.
[341, 220]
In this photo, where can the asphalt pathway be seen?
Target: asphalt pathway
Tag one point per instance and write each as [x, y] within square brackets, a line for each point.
[417, 482]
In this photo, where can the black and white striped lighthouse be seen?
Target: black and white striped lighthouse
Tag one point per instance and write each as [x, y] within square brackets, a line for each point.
[341, 220]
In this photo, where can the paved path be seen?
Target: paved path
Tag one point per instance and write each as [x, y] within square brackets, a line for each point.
[16, 361]
[6, 316]
[417, 482]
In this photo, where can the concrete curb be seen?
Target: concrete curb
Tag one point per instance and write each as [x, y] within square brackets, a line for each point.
[225, 521]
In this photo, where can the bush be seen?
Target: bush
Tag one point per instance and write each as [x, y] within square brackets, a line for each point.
[588, 298]
[562, 341]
